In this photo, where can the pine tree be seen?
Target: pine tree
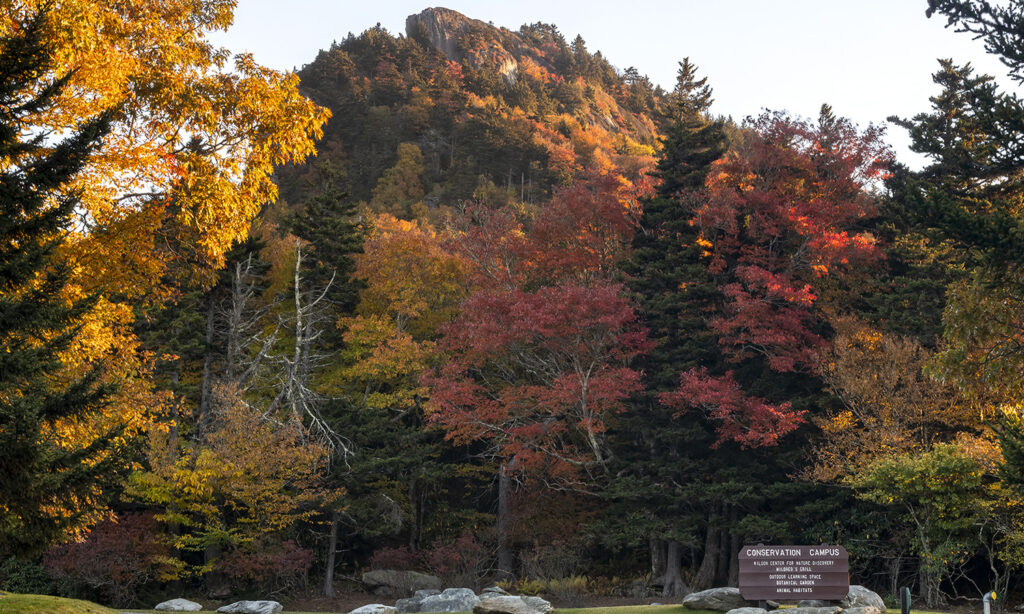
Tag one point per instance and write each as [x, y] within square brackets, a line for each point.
[674, 292]
[46, 485]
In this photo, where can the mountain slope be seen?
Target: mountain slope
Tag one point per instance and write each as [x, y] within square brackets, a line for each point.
[458, 107]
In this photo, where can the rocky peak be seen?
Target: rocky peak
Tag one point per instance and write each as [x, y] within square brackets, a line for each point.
[446, 29]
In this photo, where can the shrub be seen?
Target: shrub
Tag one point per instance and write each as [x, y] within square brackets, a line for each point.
[115, 560]
[267, 566]
[460, 563]
[19, 576]
[400, 558]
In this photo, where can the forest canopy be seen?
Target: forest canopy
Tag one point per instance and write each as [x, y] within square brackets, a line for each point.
[476, 303]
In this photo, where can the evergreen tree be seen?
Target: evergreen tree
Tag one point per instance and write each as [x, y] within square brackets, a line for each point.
[967, 202]
[46, 485]
[674, 292]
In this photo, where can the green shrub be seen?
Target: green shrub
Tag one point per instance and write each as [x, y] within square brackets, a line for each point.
[18, 576]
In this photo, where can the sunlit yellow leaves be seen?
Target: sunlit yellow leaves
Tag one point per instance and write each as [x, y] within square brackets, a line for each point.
[252, 474]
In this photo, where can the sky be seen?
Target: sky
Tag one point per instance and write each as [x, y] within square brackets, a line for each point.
[869, 59]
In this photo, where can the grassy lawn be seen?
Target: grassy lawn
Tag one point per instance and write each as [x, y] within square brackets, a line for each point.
[41, 604]
[635, 609]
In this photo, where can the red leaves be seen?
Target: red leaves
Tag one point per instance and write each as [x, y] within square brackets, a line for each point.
[749, 421]
[536, 371]
[780, 214]
[585, 229]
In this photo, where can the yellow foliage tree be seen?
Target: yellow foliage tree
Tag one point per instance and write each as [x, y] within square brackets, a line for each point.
[412, 286]
[184, 170]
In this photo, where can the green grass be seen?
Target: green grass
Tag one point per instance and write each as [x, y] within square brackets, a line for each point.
[634, 609]
[42, 604]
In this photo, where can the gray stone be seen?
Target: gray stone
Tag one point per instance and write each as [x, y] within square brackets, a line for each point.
[409, 605]
[834, 609]
[494, 590]
[865, 609]
[450, 600]
[504, 604]
[860, 597]
[374, 608]
[748, 611]
[426, 592]
[541, 605]
[722, 599]
[178, 605]
[813, 603]
[252, 607]
[394, 582]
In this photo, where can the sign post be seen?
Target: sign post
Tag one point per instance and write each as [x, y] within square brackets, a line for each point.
[794, 572]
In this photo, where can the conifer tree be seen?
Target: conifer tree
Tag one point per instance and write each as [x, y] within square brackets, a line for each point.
[674, 291]
[47, 485]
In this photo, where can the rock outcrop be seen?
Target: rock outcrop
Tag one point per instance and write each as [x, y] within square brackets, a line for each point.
[462, 39]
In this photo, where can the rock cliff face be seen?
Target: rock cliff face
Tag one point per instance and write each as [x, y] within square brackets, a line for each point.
[468, 40]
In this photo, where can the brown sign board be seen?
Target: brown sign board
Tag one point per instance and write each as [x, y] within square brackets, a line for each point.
[794, 572]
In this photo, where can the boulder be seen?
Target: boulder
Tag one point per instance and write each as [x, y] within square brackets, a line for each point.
[426, 592]
[748, 611]
[865, 609]
[178, 605]
[504, 604]
[813, 603]
[374, 608]
[450, 600]
[409, 605]
[394, 582]
[860, 597]
[541, 605]
[832, 609]
[252, 607]
[496, 591]
[722, 599]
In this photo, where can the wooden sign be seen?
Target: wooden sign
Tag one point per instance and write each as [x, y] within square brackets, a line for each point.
[794, 572]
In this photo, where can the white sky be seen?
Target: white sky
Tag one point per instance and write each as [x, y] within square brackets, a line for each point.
[867, 58]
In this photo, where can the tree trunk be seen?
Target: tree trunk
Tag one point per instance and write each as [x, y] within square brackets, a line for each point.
[724, 541]
[504, 552]
[705, 577]
[414, 516]
[673, 585]
[734, 555]
[332, 553]
[929, 581]
[657, 558]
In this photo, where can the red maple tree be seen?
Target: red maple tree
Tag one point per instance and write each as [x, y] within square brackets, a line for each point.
[781, 213]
